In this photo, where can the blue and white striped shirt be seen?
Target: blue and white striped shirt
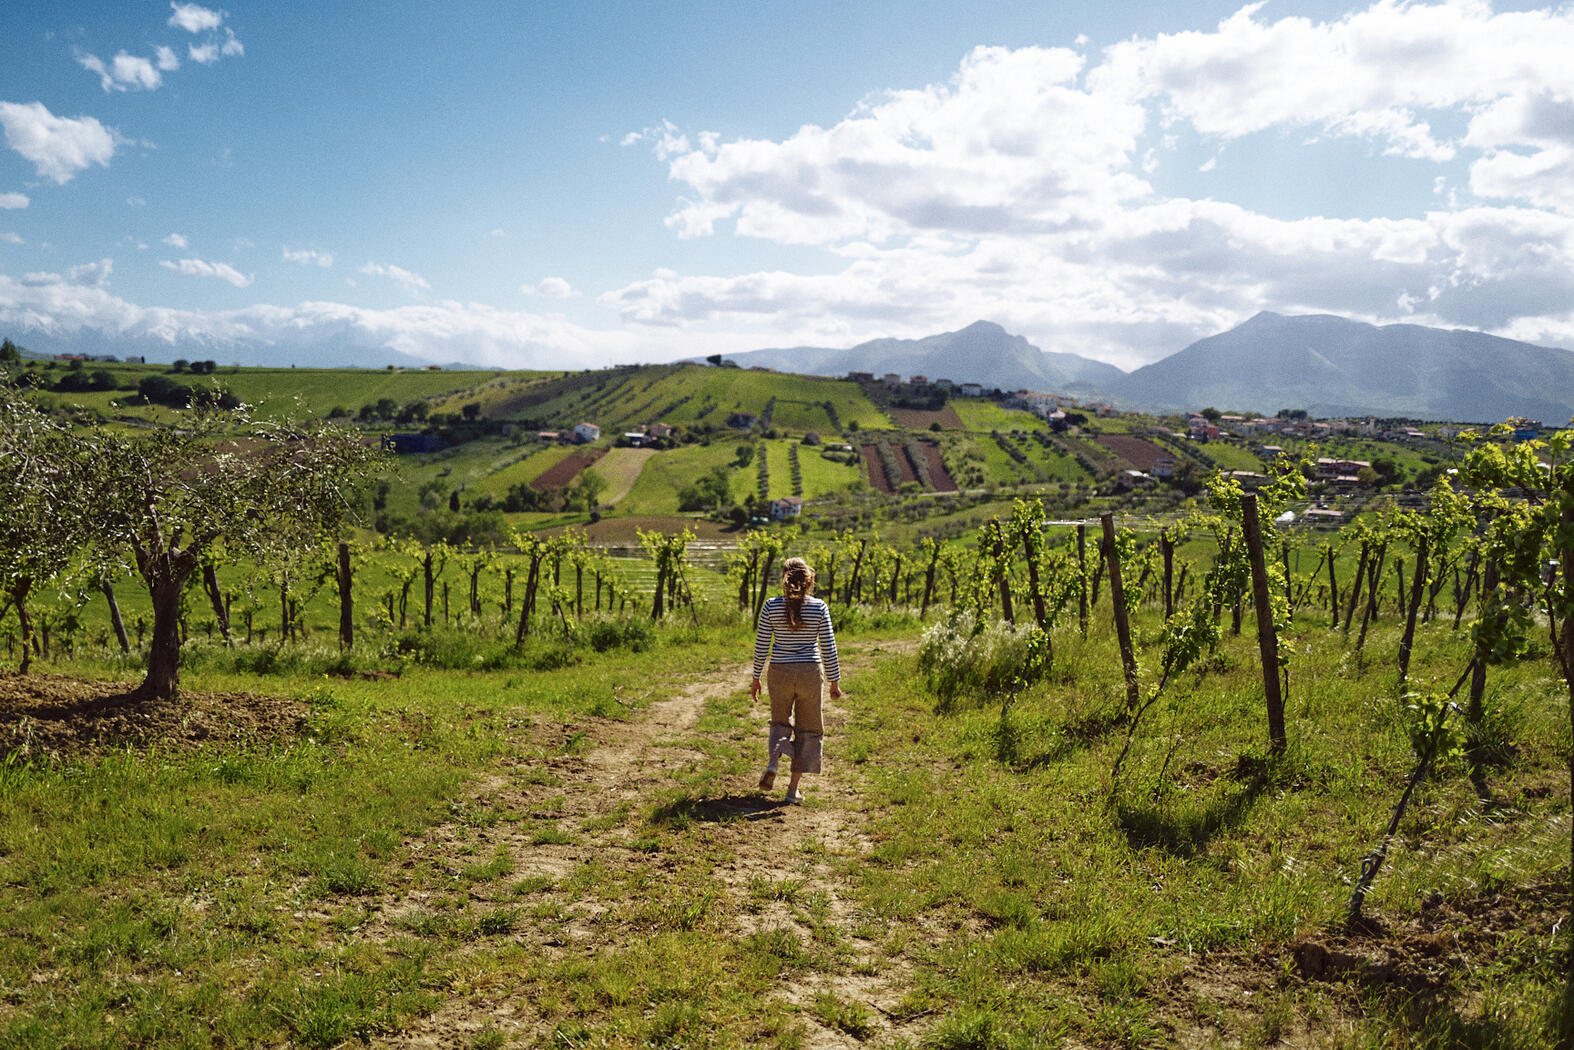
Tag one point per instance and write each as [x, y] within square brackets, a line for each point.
[800, 645]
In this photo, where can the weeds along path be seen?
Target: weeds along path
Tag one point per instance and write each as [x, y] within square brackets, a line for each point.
[599, 835]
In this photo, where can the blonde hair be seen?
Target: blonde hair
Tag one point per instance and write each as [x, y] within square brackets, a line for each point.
[797, 584]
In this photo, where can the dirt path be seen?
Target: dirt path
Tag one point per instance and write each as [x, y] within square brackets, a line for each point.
[598, 779]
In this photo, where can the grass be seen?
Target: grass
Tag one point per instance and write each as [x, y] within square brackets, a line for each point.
[656, 490]
[822, 476]
[621, 467]
[997, 887]
[984, 415]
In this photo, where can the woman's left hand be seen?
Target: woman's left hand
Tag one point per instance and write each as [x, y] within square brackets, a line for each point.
[754, 690]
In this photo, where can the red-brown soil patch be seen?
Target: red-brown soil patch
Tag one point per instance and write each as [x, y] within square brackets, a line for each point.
[1138, 452]
[937, 472]
[904, 466]
[1444, 938]
[566, 469]
[873, 468]
[53, 718]
[920, 418]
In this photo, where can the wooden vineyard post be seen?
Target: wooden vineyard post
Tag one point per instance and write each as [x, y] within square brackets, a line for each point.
[1167, 550]
[1117, 597]
[1267, 637]
[1082, 578]
[346, 606]
[1333, 586]
[929, 581]
[1030, 543]
[1417, 592]
[426, 568]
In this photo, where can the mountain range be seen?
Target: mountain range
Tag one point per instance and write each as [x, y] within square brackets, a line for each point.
[1330, 366]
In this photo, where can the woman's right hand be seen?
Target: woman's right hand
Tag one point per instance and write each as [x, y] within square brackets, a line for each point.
[754, 690]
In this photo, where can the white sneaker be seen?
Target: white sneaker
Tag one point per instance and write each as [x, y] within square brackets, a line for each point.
[767, 780]
[793, 798]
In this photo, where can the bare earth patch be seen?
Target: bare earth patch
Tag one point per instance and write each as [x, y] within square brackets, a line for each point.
[594, 781]
[58, 719]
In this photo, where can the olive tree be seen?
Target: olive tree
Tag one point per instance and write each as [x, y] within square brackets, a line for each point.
[166, 497]
[42, 516]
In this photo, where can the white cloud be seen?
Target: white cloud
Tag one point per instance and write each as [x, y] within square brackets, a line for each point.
[497, 232]
[12, 238]
[137, 202]
[232, 47]
[13, 201]
[205, 54]
[446, 331]
[95, 274]
[58, 147]
[167, 60]
[309, 257]
[194, 18]
[175, 240]
[413, 283]
[551, 288]
[1018, 190]
[125, 72]
[203, 268]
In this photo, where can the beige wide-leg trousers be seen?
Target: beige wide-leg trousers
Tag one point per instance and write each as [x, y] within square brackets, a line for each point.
[796, 723]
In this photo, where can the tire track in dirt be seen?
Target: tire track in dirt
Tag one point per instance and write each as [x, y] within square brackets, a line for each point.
[780, 873]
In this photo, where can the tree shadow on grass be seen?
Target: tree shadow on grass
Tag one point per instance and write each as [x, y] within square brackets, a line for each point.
[1182, 830]
[1071, 738]
[748, 807]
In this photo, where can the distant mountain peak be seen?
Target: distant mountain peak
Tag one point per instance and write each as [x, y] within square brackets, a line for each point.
[985, 326]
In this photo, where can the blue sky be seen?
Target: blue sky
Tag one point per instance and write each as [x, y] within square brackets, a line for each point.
[535, 185]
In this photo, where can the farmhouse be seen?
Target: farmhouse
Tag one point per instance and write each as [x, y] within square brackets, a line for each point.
[971, 390]
[1343, 470]
[584, 433]
[786, 507]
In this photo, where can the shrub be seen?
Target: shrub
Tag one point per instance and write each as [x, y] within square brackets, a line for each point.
[963, 659]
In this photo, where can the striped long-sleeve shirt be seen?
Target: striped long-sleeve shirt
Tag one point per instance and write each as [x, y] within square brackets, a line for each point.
[813, 643]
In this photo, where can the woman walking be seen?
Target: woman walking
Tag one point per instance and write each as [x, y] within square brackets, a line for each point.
[795, 633]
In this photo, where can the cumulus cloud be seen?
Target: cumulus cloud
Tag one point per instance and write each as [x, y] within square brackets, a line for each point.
[58, 147]
[446, 331]
[309, 257]
[11, 237]
[413, 283]
[175, 240]
[125, 72]
[1020, 189]
[95, 274]
[167, 60]
[203, 268]
[13, 201]
[194, 18]
[551, 288]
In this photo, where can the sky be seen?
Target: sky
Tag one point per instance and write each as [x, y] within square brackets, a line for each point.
[529, 185]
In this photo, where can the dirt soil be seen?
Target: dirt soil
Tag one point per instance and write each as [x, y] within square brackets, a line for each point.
[58, 719]
[874, 468]
[937, 472]
[1140, 453]
[920, 418]
[623, 764]
[566, 470]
